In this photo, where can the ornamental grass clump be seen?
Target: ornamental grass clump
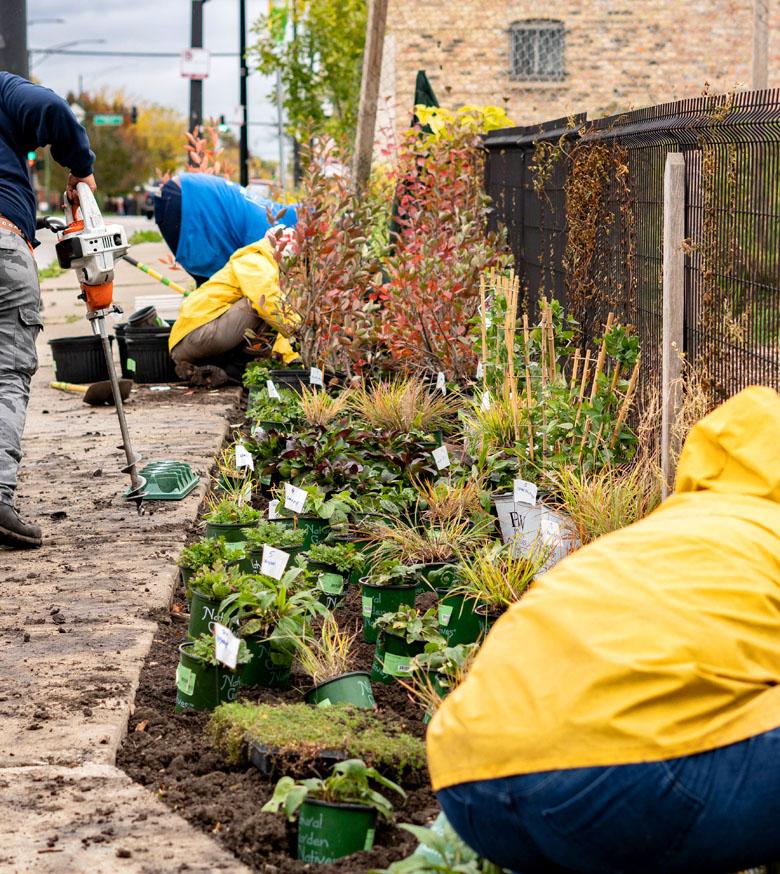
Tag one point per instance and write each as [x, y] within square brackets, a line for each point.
[444, 501]
[437, 672]
[325, 654]
[321, 409]
[403, 541]
[600, 501]
[403, 405]
[496, 578]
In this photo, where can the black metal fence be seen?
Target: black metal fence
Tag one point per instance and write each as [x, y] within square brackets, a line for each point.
[582, 203]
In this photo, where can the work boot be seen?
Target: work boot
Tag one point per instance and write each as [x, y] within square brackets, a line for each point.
[209, 376]
[17, 534]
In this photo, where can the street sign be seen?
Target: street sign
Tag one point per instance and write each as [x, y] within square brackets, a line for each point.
[195, 63]
[107, 120]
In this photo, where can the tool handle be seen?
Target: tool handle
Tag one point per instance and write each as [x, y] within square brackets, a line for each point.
[69, 387]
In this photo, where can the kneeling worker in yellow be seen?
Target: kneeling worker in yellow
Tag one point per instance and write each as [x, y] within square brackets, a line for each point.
[624, 716]
[208, 340]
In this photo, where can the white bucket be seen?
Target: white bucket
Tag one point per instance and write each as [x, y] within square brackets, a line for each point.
[523, 525]
[167, 305]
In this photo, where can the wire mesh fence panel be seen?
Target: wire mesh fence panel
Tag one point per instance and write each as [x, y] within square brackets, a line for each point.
[582, 203]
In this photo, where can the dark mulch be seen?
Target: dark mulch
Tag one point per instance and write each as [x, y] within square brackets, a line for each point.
[167, 752]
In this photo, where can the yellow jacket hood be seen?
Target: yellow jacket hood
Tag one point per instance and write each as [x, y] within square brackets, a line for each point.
[735, 449]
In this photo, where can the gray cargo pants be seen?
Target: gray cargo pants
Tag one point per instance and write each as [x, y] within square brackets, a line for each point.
[20, 322]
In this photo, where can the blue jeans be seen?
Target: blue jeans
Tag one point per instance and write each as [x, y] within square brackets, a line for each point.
[713, 812]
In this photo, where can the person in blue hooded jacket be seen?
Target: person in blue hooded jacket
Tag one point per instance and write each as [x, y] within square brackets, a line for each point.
[204, 219]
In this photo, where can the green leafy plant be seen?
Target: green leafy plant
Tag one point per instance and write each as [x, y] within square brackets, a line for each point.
[326, 654]
[496, 577]
[204, 554]
[349, 783]
[203, 648]
[437, 671]
[335, 507]
[273, 534]
[257, 372]
[441, 851]
[343, 556]
[389, 573]
[286, 409]
[217, 582]
[228, 511]
[411, 625]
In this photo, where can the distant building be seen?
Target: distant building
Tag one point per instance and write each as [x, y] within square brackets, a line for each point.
[546, 59]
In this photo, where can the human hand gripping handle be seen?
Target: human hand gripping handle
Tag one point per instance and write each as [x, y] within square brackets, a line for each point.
[73, 181]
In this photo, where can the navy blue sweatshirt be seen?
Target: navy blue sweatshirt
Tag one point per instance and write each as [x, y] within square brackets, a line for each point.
[30, 117]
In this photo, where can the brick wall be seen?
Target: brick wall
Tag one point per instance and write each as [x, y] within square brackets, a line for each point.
[619, 54]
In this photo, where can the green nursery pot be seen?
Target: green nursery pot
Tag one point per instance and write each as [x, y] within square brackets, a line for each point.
[231, 531]
[377, 600]
[458, 621]
[331, 584]
[268, 667]
[353, 688]
[393, 658]
[316, 529]
[197, 682]
[327, 831]
[203, 613]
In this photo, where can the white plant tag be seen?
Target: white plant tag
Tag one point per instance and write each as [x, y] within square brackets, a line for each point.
[244, 457]
[315, 376]
[225, 646]
[294, 498]
[441, 382]
[525, 493]
[442, 457]
[274, 562]
[551, 531]
[480, 370]
[273, 391]
[273, 509]
[259, 433]
[485, 405]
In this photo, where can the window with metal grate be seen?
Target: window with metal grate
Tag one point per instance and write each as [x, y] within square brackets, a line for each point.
[536, 51]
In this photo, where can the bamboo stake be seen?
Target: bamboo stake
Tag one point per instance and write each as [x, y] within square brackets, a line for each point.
[626, 403]
[551, 341]
[583, 383]
[528, 385]
[575, 369]
[543, 344]
[601, 358]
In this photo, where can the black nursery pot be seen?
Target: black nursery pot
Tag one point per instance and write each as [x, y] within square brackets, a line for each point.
[79, 359]
[295, 378]
[148, 358]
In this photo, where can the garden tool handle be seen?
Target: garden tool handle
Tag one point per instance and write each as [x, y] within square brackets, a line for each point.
[69, 387]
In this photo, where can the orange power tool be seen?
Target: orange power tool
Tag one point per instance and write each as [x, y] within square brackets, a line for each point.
[91, 248]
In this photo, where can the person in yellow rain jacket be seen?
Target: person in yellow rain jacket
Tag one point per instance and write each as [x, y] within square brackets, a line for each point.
[624, 716]
[208, 337]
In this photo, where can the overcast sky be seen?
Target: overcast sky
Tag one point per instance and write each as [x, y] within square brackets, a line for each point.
[152, 25]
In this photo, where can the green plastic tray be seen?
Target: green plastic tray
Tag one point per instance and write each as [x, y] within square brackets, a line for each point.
[167, 480]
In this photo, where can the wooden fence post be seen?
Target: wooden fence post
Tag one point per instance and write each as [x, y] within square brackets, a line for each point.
[369, 91]
[673, 307]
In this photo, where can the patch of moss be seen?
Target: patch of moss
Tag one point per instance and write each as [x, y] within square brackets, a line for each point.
[303, 731]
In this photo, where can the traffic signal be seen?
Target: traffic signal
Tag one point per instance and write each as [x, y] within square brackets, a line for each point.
[223, 125]
[133, 114]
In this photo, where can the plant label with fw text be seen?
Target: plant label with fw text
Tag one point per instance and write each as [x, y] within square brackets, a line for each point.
[273, 391]
[525, 492]
[315, 376]
[244, 457]
[273, 509]
[294, 498]
[441, 457]
[441, 382]
[274, 562]
[485, 405]
[550, 530]
[225, 646]
[259, 433]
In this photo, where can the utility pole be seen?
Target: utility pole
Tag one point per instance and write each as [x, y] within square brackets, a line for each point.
[243, 73]
[196, 85]
[13, 37]
[369, 91]
[760, 44]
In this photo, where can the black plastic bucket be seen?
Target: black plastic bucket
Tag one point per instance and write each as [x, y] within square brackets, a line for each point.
[148, 358]
[79, 359]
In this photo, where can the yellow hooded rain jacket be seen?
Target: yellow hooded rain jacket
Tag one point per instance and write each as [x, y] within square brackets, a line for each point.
[659, 640]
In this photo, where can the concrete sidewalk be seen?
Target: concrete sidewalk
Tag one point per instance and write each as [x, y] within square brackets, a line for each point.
[76, 621]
